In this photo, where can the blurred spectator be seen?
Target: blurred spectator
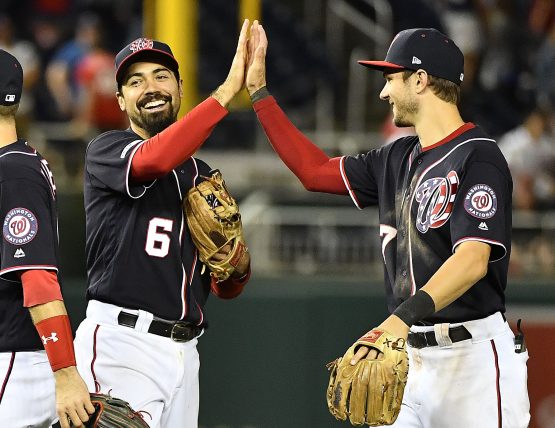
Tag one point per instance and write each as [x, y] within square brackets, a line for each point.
[61, 75]
[545, 70]
[530, 153]
[97, 109]
[466, 23]
[27, 55]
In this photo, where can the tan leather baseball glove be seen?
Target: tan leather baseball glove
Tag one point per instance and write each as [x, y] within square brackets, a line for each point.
[371, 391]
[214, 221]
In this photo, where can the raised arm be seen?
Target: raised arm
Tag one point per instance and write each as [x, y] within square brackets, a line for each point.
[316, 170]
[177, 143]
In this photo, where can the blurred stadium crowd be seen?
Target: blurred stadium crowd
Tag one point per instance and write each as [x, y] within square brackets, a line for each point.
[67, 49]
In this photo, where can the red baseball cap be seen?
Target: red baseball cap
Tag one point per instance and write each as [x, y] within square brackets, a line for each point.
[147, 50]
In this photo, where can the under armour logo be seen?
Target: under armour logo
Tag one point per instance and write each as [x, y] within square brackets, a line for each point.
[416, 60]
[19, 253]
[53, 337]
[10, 98]
[483, 226]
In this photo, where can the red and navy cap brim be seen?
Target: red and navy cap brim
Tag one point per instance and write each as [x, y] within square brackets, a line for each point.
[381, 65]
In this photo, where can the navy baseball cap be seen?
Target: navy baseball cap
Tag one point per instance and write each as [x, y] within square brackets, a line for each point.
[147, 50]
[11, 79]
[426, 49]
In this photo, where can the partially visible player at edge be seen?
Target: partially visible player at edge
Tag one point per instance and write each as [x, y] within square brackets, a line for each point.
[444, 201]
[31, 395]
[146, 286]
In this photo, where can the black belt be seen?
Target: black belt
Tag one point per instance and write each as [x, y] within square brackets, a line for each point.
[179, 331]
[428, 338]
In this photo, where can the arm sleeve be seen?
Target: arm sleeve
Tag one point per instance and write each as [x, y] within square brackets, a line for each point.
[158, 155]
[482, 209]
[40, 287]
[29, 229]
[316, 171]
[231, 287]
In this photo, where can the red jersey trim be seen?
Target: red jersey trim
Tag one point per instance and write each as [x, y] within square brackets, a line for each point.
[497, 386]
[7, 377]
[487, 241]
[461, 130]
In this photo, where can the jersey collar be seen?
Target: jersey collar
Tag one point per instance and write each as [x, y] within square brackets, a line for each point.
[461, 130]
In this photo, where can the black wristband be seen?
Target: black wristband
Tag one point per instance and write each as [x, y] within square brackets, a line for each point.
[260, 94]
[415, 308]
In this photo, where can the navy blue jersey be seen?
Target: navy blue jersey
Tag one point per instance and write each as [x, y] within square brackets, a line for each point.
[431, 200]
[29, 238]
[139, 251]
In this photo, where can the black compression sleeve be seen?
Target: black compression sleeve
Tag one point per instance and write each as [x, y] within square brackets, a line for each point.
[415, 308]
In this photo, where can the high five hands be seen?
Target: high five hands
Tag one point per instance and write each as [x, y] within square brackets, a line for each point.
[248, 67]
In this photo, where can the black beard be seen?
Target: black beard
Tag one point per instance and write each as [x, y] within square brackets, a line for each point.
[154, 123]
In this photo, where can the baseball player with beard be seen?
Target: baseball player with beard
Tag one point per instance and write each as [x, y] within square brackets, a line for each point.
[444, 199]
[38, 377]
[146, 286]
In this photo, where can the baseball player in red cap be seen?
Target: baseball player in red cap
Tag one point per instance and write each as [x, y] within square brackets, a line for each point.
[146, 285]
[444, 199]
[38, 378]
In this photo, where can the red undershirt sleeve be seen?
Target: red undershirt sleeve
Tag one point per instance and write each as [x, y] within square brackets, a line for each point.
[231, 287]
[316, 170]
[158, 155]
[39, 287]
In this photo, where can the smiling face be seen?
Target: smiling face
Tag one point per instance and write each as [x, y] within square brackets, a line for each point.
[401, 98]
[151, 96]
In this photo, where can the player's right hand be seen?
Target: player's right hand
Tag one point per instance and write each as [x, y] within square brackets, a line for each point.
[256, 62]
[73, 401]
[236, 78]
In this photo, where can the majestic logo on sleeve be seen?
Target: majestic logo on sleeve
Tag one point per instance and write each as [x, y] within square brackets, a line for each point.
[436, 197]
[20, 226]
[481, 201]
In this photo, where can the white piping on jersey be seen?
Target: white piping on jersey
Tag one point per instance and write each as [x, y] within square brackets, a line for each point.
[346, 182]
[184, 281]
[388, 232]
[18, 153]
[178, 186]
[127, 174]
[128, 147]
[196, 171]
[487, 241]
[28, 267]
[413, 284]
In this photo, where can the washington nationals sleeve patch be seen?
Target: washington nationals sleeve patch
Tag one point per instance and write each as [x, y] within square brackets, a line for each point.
[481, 201]
[20, 226]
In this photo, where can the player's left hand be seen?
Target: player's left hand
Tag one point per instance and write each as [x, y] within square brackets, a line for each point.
[256, 65]
[73, 401]
[393, 325]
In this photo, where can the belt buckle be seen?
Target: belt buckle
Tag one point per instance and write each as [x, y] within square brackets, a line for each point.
[180, 329]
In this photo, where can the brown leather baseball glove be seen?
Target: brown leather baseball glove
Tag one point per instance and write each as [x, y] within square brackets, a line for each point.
[371, 391]
[214, 221]
[111, 412]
